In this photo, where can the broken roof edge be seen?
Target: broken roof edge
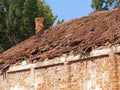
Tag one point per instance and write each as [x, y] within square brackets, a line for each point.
[65, 59]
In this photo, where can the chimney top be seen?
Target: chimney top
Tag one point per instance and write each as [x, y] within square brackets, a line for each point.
[39, 24]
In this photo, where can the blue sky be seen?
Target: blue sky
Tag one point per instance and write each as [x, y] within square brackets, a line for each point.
[70, 9]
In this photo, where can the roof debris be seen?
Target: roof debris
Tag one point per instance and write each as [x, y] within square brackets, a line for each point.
[80, 35]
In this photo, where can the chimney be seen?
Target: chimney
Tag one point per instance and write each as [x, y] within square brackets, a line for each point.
[39, 24]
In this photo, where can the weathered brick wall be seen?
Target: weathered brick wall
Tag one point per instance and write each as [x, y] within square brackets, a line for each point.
[93, 74]
[19, 80]
[52, 78]
[2, 82]
[100, 73]
[118, 57]
[97, 74]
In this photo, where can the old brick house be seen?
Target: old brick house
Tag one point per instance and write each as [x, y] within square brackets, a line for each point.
[82, 54]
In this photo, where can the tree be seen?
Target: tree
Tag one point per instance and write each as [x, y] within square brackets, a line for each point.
[3, 15]
[17, 20]
[48, 16]
[99, 5]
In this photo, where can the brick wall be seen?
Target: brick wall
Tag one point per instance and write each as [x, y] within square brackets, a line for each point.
[118, 57]
[19, 80]
[52, 78]
[2, 85]
[95, 73]
[92, 74]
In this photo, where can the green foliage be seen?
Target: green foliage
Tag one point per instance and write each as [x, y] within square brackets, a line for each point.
[17, 20]
[99, 5]
[48, 16]
[59, 22]
[3, 35]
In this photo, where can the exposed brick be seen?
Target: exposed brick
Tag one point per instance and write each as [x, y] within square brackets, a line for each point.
[101, 73]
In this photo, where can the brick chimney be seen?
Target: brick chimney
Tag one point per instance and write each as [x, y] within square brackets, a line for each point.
[39, 24]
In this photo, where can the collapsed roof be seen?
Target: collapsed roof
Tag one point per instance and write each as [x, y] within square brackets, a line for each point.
[80, 35]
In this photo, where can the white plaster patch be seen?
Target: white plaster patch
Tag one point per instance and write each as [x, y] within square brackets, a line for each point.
[20, 67]
[62, 59]
[89, 85]
[17, 87]
[70, 58]
[40, 80]
[77, 57]
[24, 63]
[46, 62]
[97, 88]
[117, 49]
[100, 52]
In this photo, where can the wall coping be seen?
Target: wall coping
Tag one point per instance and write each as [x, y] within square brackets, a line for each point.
[65, 59]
